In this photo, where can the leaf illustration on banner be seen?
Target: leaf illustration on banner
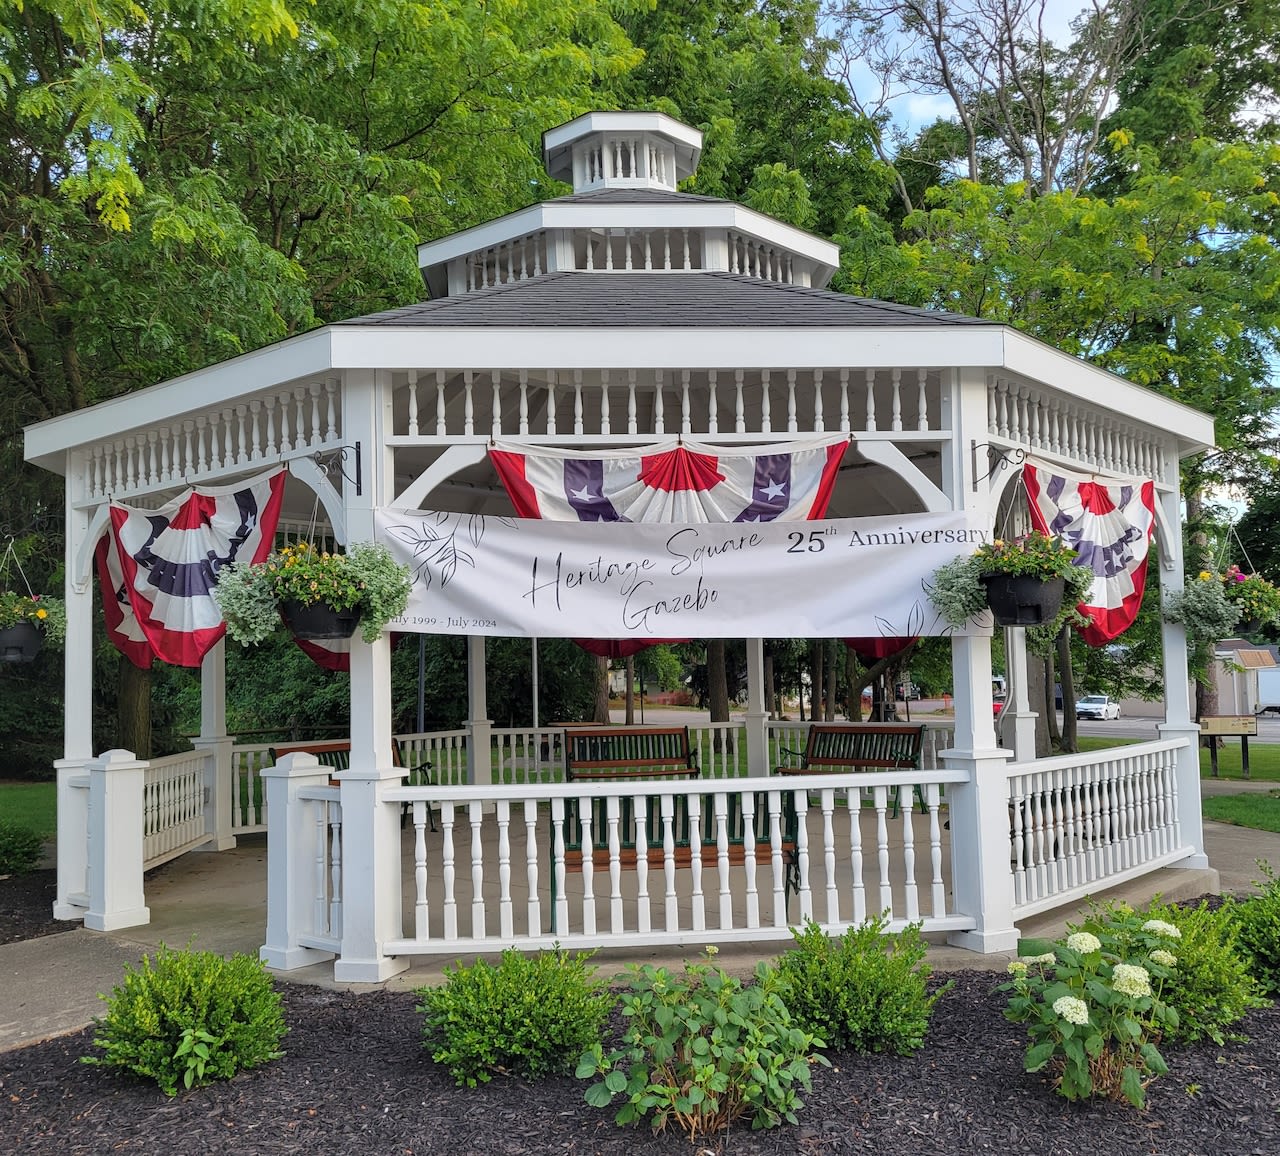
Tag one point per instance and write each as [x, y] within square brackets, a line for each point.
[435, 554]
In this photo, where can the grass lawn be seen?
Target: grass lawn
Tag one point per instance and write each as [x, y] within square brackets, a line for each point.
[30, 805]
[1261, 812]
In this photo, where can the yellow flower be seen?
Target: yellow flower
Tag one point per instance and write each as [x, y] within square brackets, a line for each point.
[1205, 576]
[42, 613]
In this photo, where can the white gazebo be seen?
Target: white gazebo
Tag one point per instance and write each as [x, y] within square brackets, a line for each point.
[624, 315]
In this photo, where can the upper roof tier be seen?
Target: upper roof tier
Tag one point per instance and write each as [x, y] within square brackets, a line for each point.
[625, 215]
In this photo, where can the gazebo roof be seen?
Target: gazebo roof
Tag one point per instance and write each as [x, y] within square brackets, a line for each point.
[642, 300]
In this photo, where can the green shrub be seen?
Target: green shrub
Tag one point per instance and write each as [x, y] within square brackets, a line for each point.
[19, 848]
[1093, 1005]
[864, 991]
[1258, 918]
[703, 1050]
[190, 1017]
[531, 1015]
[1211, 985]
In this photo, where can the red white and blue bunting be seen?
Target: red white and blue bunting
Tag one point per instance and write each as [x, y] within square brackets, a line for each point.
[158, 567]
[1109, 524]
[672, 481]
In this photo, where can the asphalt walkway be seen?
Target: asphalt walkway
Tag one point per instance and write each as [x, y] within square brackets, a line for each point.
[217, 902]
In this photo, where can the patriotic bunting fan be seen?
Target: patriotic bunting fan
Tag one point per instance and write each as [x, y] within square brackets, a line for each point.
[1110, 526]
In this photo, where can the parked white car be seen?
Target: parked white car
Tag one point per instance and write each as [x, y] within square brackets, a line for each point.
[1099, 706]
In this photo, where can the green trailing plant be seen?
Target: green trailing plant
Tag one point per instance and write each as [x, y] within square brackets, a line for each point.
[531, 1015]
[1210, 984]
[366, 579]
[1256, 598]
[186, 1018]
[43, 611]
[1258, 920]
[1094, 1008]
[19, 848]
[703, 1049]
[1202, 609]
[863, 991]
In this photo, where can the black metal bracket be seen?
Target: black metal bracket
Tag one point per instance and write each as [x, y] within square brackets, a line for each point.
[335, 460]
[1005, 459]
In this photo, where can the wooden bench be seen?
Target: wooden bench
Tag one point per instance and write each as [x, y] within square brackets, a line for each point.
[833, 747]
[612, 754]
[336, 755]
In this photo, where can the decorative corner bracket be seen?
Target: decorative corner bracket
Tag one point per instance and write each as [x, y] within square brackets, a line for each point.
[1005, 459]
[334, 461]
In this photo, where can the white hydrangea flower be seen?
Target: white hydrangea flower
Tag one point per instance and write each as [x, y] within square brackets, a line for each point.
[1164, 958]
[1048, 957]
[1131, 980]
[1085, 942]
[1071, 1009]
[1017, 967]
[1160, 927]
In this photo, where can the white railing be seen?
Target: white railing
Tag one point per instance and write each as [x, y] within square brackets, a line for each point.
[324, 811]
[445, 751]
[727, 403]
[248, 799]
[498, 874]
[173, 806]
[1080, 823]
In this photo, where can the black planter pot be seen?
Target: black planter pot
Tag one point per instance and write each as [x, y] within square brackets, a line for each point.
[316, 620]
[21, 642]
[1017, 600]
[1248, 626]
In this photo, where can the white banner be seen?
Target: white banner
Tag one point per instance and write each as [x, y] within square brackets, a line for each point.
[523, 577]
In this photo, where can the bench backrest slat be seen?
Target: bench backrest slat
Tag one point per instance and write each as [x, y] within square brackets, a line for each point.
[616, 750]
[890, 745]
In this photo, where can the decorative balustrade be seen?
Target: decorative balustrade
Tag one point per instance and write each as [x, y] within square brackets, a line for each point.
[248, 798]
[1037, 419]
[749, 257]
[256, 432]
[1081, 822]
[478, 403]
[323, 808]
[173, 806]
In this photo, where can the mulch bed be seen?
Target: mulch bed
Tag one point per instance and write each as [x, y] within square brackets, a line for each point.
[356, 1079]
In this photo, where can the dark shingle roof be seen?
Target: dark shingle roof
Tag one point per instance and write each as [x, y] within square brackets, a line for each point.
[647, 300]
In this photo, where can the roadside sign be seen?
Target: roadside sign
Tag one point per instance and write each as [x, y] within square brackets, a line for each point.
[1229, 724]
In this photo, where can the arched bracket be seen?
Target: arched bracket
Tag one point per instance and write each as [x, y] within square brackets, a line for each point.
[449, 463]
[1005, 459]
[335, 461]
[892, 458]
[314, 474]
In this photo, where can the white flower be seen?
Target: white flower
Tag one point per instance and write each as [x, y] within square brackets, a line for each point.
[1048, 957]
[1085, 942]
[1017, 967]
[1160, 927]
[1071, 1009]
[1163, 958]
[1131, 980]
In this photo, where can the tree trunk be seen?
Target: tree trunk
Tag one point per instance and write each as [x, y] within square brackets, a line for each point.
[832, 681]
[133, 710]
[770, 698]
[602, 691]
[717, 681]
[816, 671]
[1066, 676]
[631, 692]
[1050, 703]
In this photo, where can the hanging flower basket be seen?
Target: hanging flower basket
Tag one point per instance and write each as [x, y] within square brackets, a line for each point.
[317, 620]
[1021, 600]
[20, 642]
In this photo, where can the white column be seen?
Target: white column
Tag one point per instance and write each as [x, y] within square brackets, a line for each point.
[216, 745]
[1177, 688]
[757, 720]
[480, 767]
[116, 900]
[292, 852]
[1018, 720]
[77, 705]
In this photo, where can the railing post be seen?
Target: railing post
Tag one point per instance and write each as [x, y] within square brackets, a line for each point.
[292, 849]
[757, 716]
[217, 792]
[371, 901]
[73, 840]
[116, 833]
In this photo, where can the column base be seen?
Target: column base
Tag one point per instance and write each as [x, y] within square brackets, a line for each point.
[985, 942]
[369, 970]
[228, 843]
[292, 958]
[69, 911]
[117, 920]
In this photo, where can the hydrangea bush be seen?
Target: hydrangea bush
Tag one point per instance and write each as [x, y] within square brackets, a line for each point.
[1094, 1010]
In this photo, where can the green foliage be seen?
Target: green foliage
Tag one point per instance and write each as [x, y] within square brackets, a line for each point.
[702, 1050]
[1256, 598]
[530, 1016]
[1258, 918]
[190, 1017]
[1030, 555]
[41, 610]
[19, 848]
[366, 579]
[864, 991]
[1094, 1007]
[1211, 985]
[1203, 609]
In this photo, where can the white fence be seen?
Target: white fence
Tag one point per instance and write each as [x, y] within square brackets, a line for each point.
[173, 807]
